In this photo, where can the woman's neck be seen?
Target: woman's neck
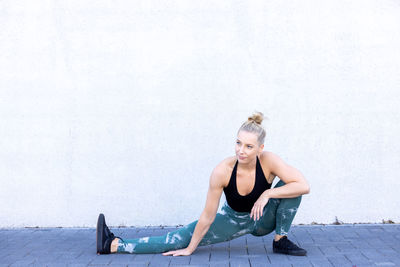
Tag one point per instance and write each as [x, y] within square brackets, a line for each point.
[249, 166]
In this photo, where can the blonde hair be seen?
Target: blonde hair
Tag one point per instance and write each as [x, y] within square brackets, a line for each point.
[253, 125]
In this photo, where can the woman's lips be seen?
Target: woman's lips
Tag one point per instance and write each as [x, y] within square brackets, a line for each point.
[241, 157]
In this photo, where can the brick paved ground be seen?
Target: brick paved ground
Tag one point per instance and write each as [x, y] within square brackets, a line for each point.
[331, 245]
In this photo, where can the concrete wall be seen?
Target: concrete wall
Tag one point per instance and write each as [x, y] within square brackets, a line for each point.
[125, 107]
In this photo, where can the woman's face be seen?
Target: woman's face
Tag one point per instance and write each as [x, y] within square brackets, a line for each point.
[247, 147]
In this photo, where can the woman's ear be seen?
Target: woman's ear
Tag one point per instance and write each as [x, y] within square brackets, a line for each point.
[261, 148]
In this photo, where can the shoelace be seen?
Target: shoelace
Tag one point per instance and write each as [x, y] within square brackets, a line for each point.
[111, 234]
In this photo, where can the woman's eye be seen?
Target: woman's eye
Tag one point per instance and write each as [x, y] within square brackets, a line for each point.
[249, 146]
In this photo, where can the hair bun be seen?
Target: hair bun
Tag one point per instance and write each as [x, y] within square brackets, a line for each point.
[257, 117]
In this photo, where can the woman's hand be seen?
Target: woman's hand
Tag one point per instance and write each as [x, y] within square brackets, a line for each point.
[179, 252]
[258, 207]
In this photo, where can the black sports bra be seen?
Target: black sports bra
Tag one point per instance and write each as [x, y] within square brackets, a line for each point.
[245, 203]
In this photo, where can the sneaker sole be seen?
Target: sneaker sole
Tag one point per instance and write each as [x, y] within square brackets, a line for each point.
[99, 232]
[292, 254]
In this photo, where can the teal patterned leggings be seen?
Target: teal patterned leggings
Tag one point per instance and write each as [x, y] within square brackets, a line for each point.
[278, 215]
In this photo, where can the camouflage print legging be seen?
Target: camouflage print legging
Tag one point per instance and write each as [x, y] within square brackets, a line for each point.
[277, 215]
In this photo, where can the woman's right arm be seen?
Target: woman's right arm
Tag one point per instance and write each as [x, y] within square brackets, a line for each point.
[208, 215]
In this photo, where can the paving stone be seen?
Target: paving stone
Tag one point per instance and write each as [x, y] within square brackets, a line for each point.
[385, 263]
[394, 259]
[387, 251]
[277, 265]
[339, 260]
[21, 263]
[349, 235]
[200, 258]
[302, 264]
[239, 262]
[160, 260]
[279, 259]
[357, 259]
[122, 258]
[330, 250]
[220, 245]
[371, 254]
[180, 260]
[346, 246]
[260, 262]
[256, 249]
[254, 239]
[52, 264]
[358, 244]
[314, 252]
[219, 264]
[238, 250]
[240, 241]
[101, 259]
[218, 256]
[376, 242]
[321, 263]
[139, 264]
[298, 259]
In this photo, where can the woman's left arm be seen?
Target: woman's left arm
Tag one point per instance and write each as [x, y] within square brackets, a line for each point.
[295, 183]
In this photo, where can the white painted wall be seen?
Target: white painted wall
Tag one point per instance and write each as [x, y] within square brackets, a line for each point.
[125, 107]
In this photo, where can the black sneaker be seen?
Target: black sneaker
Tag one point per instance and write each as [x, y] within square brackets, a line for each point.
[285, 246]
[104, 237]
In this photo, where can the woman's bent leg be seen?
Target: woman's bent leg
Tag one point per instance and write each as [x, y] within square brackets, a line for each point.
[228, 224]
[278, 215]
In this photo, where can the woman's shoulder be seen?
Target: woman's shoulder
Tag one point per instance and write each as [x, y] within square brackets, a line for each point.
[267, 156]
[266, 159]
[226, 164]
[224, 169]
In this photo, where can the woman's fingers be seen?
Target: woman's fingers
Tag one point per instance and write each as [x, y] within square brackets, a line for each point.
[253, 213]
[256, 212]
[169, 253]
[174, 253]
[258, 209]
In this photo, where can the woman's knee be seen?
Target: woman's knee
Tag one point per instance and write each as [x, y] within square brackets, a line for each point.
[289, 203]
[280, 183]
[294, 201]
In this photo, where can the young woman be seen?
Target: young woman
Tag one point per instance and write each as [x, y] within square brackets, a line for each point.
[251, 207]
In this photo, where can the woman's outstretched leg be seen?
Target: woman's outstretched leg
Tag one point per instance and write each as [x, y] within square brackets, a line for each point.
[228, 224]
